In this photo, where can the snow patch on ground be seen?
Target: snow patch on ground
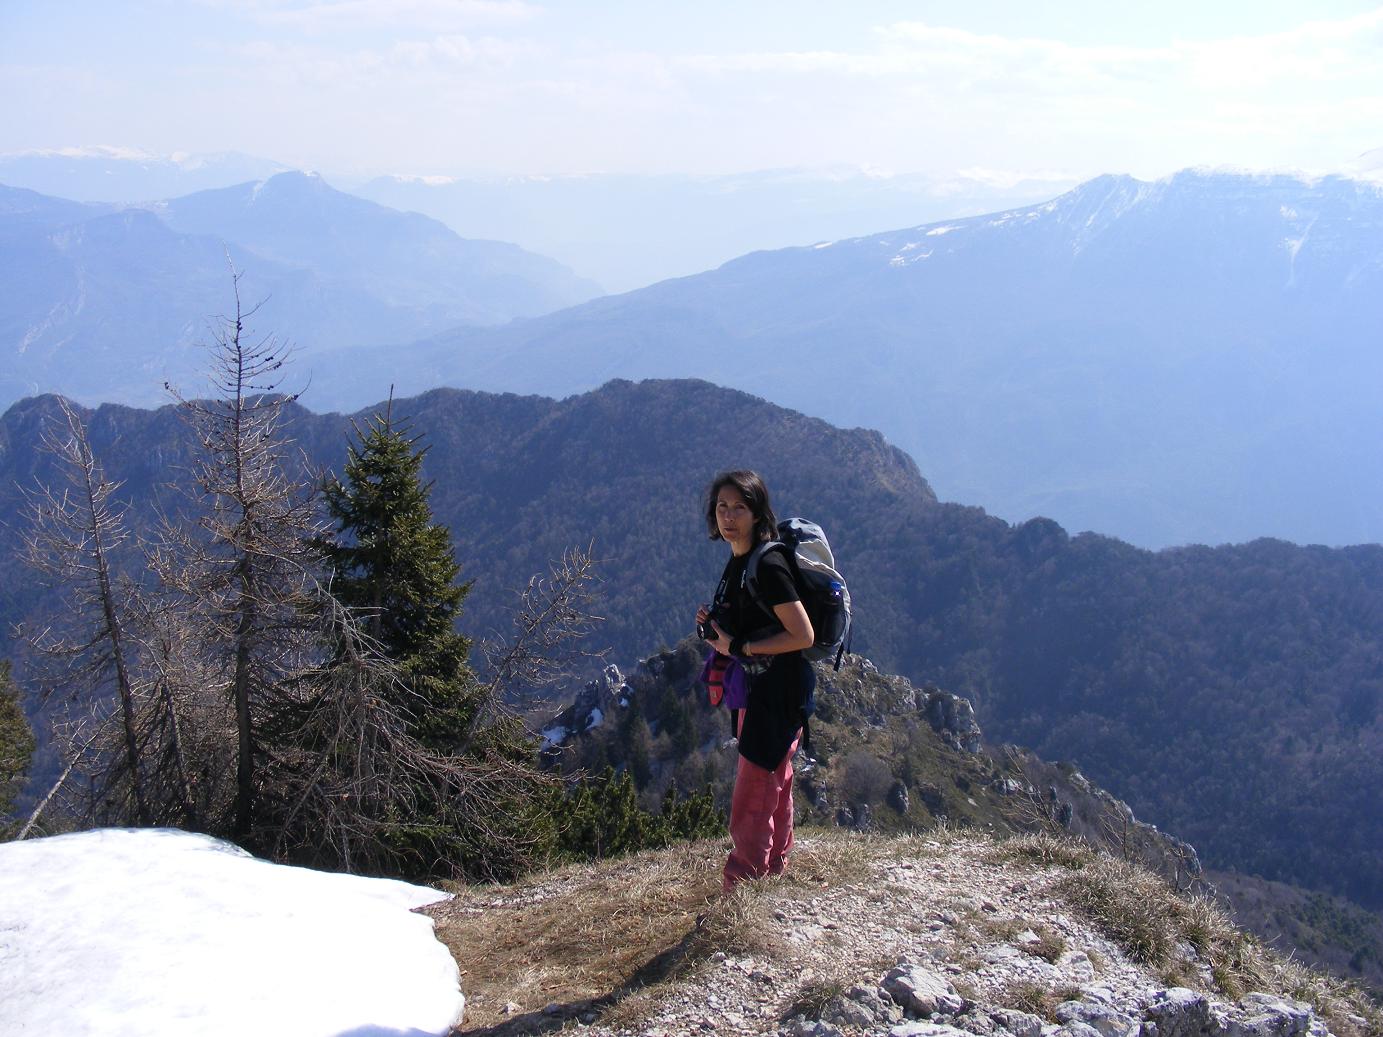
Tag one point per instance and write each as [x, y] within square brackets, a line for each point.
[153, 931]
[554, 735]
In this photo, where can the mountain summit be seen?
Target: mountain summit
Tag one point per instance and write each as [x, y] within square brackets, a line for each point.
[106, 304]
[408, 259]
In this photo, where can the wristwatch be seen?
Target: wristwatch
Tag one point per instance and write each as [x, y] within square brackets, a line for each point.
[737, 646]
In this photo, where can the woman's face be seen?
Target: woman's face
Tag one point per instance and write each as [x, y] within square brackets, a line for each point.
[734, 519]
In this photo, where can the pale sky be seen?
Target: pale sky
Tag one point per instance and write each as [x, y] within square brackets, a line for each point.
[1067, 88]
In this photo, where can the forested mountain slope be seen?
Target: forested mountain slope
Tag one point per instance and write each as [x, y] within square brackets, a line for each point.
[1230, 695]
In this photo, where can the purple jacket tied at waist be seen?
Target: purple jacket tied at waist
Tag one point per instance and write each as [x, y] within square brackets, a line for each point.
[725, 680]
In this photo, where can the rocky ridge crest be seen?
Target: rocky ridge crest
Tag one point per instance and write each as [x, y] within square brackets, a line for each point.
[939, 935]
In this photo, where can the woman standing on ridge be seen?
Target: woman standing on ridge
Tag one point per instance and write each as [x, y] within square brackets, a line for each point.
[769, 645]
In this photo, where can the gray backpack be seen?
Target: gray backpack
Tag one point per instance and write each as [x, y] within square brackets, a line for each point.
[819, 584]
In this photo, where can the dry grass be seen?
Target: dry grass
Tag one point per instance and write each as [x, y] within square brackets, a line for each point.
[585, 936]
[597, 937]
[737, 924]
[833, 857]
[1151, 922]
[1045, 849]
[1338, 1002]
[935, 842]
[1049, 945]
[1036, 999]
[814, 995]
[1130, 905]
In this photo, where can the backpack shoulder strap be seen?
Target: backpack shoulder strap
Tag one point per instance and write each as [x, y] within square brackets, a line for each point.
[722, 591]
[751, 570]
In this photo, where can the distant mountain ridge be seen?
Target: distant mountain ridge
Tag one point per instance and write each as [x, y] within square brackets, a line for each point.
[402, 257]
[102, 173]
[1191, 360]
[1233, 696]
[628, 231]
[106, 303]
[622, 230]
[21, 209]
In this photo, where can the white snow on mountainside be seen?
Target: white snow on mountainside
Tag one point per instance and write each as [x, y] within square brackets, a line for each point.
[1096, 206]
[1368, 166]
[151, 932]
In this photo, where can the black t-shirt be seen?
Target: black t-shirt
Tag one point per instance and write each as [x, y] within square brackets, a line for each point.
[776, 695]
[743, 616]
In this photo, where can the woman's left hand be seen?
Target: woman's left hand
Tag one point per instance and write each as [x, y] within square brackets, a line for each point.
[722, 641]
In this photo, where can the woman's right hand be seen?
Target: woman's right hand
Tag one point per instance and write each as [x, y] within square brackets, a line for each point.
[703, 613]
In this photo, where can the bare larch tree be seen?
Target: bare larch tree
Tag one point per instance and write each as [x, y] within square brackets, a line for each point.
[246, 571]
[73, 531]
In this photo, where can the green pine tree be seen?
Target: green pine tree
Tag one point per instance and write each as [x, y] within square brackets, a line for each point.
[395, 565]
[604, 819]
[16, 742]
[691, 817]
[635, 744]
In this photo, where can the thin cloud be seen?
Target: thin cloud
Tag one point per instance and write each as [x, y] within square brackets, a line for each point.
[440, 16]
[438, 58]
[445, 84]
[911, 50]
[1309, 89]
[1007, 179]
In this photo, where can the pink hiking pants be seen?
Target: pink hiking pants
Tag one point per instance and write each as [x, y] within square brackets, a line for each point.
[760, 821]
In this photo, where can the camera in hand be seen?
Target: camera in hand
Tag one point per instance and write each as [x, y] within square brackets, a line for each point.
[707, 632]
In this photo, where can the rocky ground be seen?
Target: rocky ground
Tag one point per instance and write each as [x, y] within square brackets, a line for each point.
[933, 935]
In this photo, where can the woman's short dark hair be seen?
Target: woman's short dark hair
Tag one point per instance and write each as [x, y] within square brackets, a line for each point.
[751, 487]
